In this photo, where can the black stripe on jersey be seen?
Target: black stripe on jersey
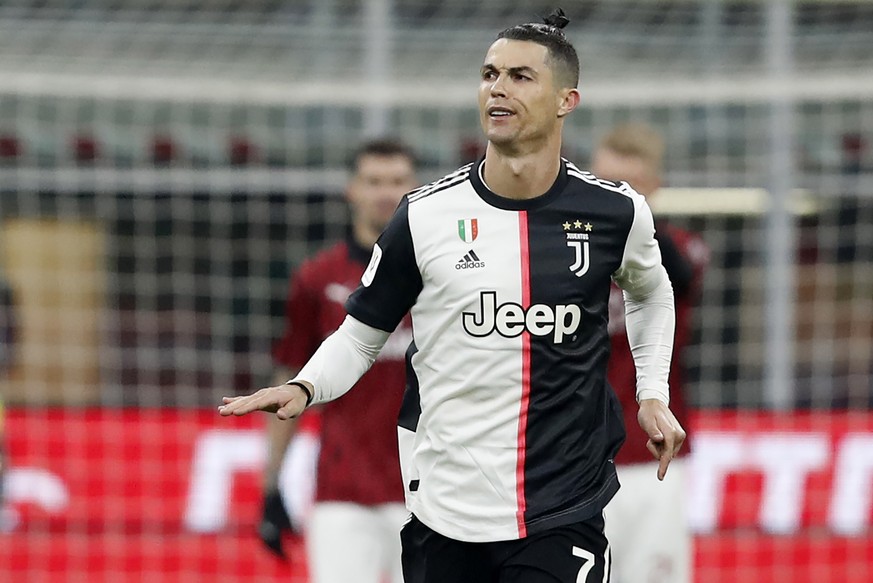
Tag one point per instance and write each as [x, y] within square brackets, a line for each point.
[396, 281]
[441, 184]
[410, 408]
[574, 424]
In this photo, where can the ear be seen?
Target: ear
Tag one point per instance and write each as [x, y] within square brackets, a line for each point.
[570, 99]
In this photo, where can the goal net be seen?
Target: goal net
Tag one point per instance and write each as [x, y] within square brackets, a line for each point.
[166, 165]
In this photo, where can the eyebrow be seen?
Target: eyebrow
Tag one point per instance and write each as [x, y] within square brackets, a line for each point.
[512, 70]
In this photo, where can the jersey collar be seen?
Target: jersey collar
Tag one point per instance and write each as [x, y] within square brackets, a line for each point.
[511, 204]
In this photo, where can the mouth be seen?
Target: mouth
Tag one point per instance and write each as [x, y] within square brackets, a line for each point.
[499, 112]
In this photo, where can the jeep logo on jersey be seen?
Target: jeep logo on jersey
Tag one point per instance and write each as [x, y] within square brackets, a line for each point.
[468, 230]
[511, 319]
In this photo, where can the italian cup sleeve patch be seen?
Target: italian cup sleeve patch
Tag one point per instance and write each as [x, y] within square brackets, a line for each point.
[370, 272]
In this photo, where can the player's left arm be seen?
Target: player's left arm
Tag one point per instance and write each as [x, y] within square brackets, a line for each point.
[650, 321]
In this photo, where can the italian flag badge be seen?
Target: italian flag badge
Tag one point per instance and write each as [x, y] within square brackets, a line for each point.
[468, 230]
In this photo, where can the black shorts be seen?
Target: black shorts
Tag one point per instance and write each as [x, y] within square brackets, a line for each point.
[576, 553]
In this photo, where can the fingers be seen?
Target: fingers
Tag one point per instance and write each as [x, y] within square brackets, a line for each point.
[664, 461]
[285, 401]
[651, 426]
[672, 445]
[666, 435]
[653, 449]
[662, 452]
[269, 399]
[291, 409]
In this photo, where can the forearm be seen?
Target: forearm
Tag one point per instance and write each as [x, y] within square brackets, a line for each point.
[279, 435]
[342, 359]
[650, 319]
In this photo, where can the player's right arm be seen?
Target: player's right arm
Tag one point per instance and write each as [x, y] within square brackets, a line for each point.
[336, 366]
[389, 287]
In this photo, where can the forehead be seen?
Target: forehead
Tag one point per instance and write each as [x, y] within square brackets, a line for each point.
[610, 164]
[384, 164]
[506, 53]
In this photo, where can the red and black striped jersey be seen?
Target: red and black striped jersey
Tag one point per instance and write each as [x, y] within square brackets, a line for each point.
[358, 453]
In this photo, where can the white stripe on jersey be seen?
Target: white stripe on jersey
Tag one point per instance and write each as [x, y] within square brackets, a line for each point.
[620, 187]
[443, 182]
[464, 455]
[607, 563]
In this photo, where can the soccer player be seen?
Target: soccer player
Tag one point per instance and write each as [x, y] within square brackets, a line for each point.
[646, 520]
[508, 428]
[352, 532]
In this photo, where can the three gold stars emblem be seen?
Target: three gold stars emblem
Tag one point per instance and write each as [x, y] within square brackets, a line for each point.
[577, 224]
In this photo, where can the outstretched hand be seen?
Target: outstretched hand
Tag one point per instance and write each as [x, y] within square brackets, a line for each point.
[666, 435]
[286, 401]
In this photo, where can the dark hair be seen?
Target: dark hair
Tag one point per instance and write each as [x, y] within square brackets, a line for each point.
[549, 33]
[383, 147]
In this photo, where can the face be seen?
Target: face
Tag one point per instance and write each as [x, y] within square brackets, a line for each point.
[519, 100]
[376, 188]
[611, 165]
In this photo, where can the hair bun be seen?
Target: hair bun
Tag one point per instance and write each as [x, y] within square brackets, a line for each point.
[557, 19]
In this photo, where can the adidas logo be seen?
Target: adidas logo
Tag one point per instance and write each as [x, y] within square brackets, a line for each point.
[470, 261]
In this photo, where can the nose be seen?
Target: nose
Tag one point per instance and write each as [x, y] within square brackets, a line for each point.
[498, 88]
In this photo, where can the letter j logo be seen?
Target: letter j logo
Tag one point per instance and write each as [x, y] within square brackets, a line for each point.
[468, 230]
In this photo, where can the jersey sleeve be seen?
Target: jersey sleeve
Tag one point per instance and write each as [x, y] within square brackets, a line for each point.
[641, 270]
[301, 336]
[392, 281]
[649, 308]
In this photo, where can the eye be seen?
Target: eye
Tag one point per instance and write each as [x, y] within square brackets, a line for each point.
[488, 75]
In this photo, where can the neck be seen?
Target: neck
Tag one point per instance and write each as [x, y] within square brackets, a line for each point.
[522, 175]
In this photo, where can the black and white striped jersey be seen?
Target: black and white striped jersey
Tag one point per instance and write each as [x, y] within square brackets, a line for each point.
[508, 425]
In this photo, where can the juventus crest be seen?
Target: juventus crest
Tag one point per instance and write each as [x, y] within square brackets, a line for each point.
[578, 242]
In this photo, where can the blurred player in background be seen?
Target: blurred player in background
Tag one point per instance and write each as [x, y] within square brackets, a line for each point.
[646, 522]
[7, 349]
[505, 266]
[353, 531]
